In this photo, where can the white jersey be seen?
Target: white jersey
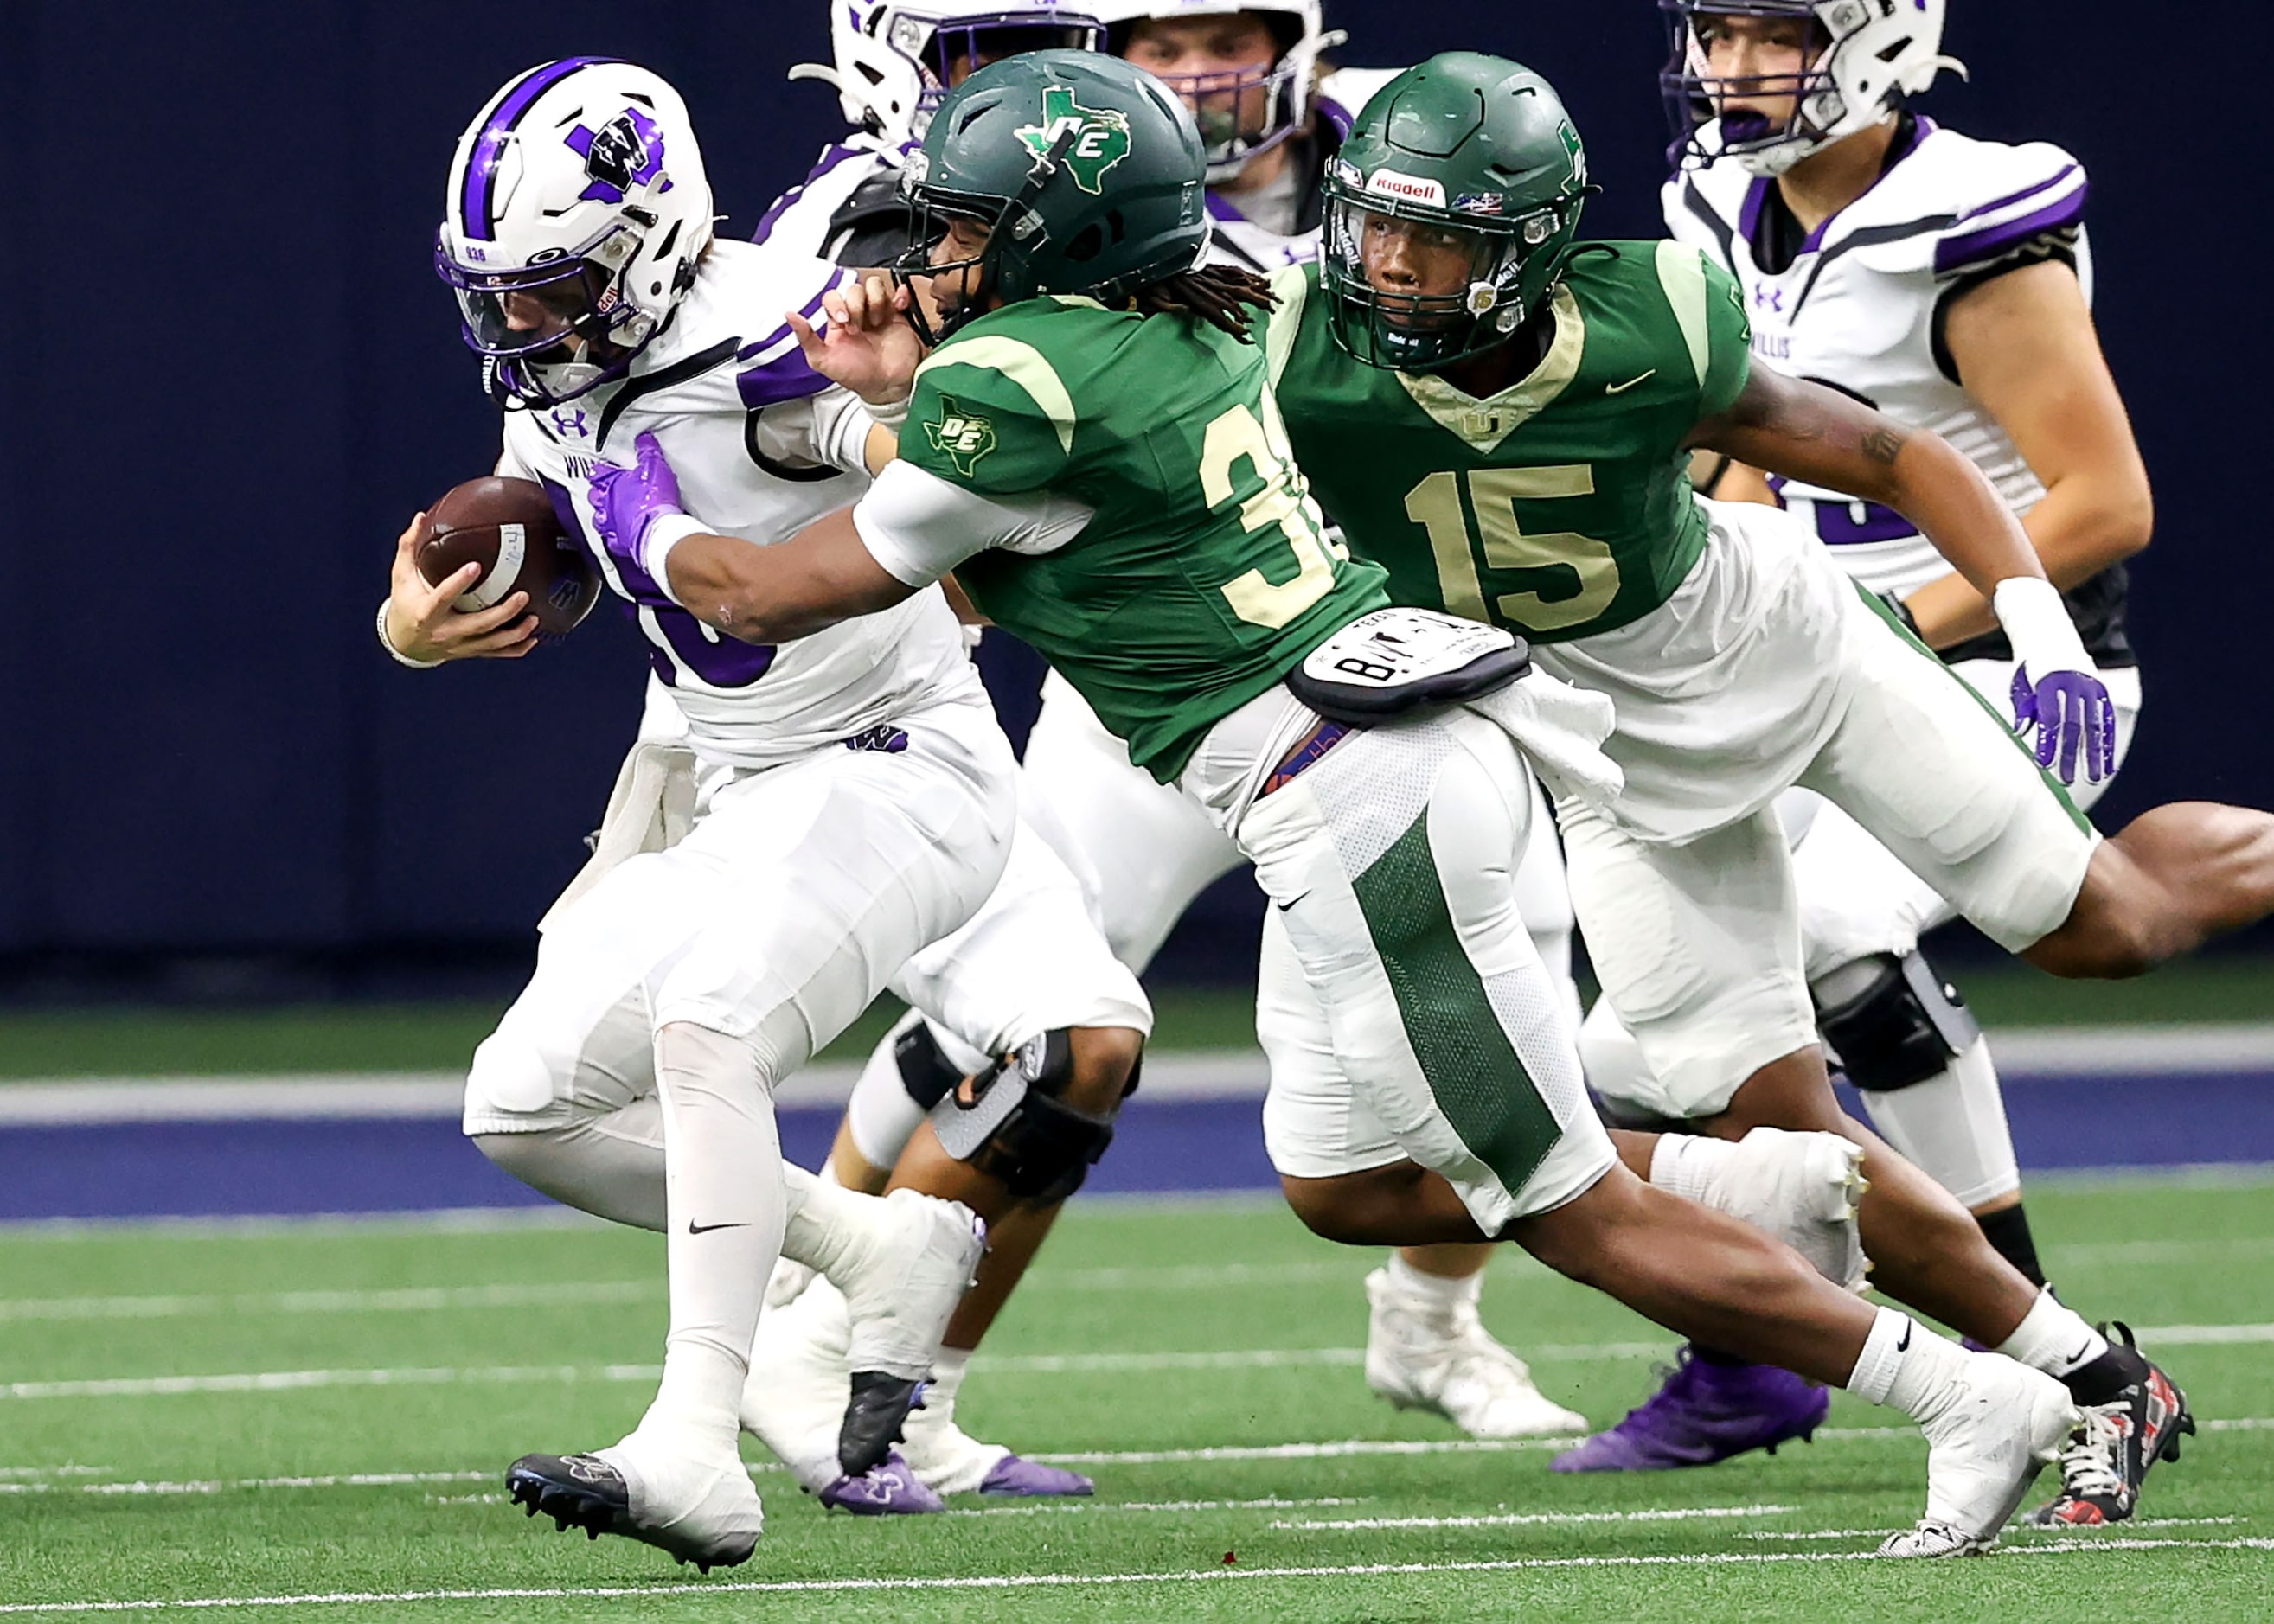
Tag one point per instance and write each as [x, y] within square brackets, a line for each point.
[1263, 231]
[1859, 306]
[763, 446]
[1278, 226]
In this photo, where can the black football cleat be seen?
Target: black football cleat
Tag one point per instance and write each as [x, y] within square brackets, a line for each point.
[584, 1490]
[2109, 1455]
[875, 1419]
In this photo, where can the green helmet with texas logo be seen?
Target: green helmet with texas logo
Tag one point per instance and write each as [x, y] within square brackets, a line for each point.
[1088, 174]
[1464, 151]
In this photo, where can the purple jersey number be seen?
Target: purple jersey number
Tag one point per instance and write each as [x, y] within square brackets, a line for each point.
[679, 645]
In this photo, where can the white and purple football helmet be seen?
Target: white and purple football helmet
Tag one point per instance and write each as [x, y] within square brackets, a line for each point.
[1299, 28]
[896, 59]
[1866, 55]
[578, 207]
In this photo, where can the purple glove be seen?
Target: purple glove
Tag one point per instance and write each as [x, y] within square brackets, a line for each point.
[626, 504]
[2074, 715]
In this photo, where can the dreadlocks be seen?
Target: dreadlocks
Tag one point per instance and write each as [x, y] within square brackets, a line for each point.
[1219, 295]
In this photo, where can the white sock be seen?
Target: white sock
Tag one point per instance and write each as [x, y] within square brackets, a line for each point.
[1905, 1365]
[724, 1201]
[824, 1224]
[1441, 1292]
[1685, 1164]
[948, 1368]
[2053, 1337]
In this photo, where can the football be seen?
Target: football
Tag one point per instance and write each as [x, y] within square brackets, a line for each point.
[508, 526]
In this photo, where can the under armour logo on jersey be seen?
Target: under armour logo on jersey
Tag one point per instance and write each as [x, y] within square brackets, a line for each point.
[1768, 299]
[1102, 138]
[961, 437]
[624, 152]
[571, 421]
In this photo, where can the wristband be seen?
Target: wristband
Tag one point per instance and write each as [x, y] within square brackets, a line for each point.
[393, 653]
[893, 415]
[664, 532]
[2037, 622]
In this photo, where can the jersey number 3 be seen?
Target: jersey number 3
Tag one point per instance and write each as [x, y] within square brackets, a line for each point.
[1282, 503]
[1435, 505]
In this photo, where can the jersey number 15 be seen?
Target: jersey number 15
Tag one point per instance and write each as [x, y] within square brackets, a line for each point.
[1435, 505]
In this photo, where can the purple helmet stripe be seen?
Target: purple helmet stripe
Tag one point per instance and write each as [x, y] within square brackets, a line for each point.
[475, 199]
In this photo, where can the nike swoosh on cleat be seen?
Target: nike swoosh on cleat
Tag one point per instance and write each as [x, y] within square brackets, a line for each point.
[1621, 388]
[693, 1228]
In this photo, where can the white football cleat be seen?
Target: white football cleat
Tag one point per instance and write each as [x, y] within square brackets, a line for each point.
[1802, 1188]
[1988, 1435]
[794, 1399]
[699, 1507]
[1422, 1356]
[912, 1268]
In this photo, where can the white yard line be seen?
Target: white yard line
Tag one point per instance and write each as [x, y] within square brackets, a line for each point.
[404, 1299]
[45, 1102]
[1180, 1507]
[2018, 1529]
[44, 1479]
[1524, 1519]
[1040, 1363]
[423, 1299]
[1028, 1581]
[2180, 1049]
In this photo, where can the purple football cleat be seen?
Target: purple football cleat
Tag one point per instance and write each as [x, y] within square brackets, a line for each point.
[1016, 1475]
[886, 1490]
[1705, 1412]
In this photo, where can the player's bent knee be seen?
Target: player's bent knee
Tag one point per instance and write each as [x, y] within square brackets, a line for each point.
[1893, 1021]
[1040, 1120]
[1342, 1210]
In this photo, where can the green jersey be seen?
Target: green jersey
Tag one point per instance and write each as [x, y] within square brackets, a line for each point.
[1559, 508]
[1204, 575]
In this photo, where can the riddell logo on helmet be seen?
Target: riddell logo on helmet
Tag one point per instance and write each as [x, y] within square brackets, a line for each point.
[1413, 188]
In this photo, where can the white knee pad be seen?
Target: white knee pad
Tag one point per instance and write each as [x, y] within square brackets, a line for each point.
[1953, 1126]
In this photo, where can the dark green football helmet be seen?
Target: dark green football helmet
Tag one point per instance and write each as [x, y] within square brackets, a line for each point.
[1450, 209]
[1089, 174]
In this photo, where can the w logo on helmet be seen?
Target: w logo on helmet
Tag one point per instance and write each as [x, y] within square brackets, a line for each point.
[1102, 140]
[624, 152]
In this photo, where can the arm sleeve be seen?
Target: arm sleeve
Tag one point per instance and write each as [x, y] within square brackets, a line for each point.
[989, 413]
[919, 527]
[830, 429]
[1728, 341]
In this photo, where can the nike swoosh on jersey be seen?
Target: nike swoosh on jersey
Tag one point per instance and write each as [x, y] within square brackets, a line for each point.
[1621, 388]
[693, 1228]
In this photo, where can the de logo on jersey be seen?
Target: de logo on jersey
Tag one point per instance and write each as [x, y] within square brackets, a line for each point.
[1102, 141]
[961, 437]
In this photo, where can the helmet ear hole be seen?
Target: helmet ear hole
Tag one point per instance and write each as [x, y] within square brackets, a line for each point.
[1094, 239]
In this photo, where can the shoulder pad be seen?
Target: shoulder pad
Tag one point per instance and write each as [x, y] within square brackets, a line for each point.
[1703, 208]
[1956, 202]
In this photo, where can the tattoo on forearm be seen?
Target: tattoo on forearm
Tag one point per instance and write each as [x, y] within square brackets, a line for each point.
[1885, 445]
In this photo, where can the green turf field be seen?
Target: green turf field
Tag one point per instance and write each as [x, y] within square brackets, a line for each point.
[350, 1037]
[350, 1393]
